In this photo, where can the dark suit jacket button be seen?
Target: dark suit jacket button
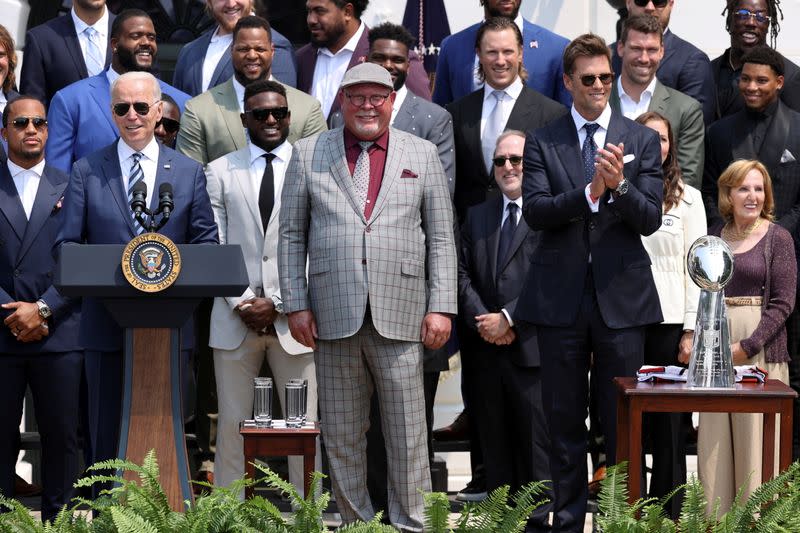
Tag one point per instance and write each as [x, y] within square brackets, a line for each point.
[592, 226]
[265, 258]
[16, 273]
[368, 229]
[363, 261]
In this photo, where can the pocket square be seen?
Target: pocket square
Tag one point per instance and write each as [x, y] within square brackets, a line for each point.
[627, 158]
[408, 174]
[787, 157]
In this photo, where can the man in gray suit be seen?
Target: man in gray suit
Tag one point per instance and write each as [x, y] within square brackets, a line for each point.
[637, 90]
[367, 205]
[245, 190]
[210, 125]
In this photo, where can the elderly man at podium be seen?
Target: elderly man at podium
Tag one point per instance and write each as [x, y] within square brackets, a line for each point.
[97, 211]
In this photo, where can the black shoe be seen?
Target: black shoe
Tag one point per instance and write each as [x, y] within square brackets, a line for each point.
[473, 492]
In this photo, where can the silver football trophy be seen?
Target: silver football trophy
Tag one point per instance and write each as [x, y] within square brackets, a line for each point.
[710, 264]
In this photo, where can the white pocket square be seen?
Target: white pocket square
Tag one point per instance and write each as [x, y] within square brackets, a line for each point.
[787, 157]
[627, 158]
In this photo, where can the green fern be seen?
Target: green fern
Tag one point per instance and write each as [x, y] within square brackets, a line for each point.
[437, 512]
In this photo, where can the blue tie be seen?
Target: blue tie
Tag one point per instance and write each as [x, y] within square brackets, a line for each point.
[136, 175]
[589, 150]
[95, 56]
[506, 234]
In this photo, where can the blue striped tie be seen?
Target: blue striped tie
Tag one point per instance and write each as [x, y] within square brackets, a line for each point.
[136, 175]
[95, 56]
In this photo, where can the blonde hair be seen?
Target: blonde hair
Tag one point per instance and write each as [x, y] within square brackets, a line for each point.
[733, 176]
[7, 42]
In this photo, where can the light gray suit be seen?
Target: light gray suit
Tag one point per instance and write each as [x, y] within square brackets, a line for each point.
[211, 126]
[238, 351]
[685, 116]
[378, 265]
[426, 120]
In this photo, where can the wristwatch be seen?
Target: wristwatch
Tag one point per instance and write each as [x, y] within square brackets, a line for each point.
[621, 189]
[277, 303]
[44, 309]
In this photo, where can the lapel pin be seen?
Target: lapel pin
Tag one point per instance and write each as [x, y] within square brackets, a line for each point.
[167, 166]
[534, 44]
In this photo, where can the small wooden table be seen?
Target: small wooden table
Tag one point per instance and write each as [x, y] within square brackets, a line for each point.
[278, 442]
[635, 398]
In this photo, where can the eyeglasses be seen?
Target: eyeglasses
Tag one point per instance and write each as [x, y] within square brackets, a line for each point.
[22, 122]
[375, 100]
[141, 108]
[515, 160]
[261, 113]
[744, 15]
[656, 3]
[170, 126]
[605, 79]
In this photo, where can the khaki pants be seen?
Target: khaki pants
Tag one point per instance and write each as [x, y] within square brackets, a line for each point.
[729, 445]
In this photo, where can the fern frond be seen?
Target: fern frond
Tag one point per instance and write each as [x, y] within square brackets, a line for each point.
[436, 512]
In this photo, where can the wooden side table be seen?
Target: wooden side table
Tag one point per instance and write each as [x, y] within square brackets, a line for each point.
[635, 398]
[277, 442]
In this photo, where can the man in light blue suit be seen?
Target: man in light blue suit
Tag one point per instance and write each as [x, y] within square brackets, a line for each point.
[97, 211]
[541, 54]
[206, 62]
[80, 114]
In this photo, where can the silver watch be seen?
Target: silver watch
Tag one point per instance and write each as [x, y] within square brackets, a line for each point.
[277, 303]
[44, 309]
[622, 188]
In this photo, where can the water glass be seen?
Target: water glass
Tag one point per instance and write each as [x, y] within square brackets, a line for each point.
[262, 402]
[295, 403]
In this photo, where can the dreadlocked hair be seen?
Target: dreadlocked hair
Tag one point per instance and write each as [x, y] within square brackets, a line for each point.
[774, 11]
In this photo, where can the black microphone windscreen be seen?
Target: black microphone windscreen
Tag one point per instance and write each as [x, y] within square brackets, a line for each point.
[165, 188]
[140, 186]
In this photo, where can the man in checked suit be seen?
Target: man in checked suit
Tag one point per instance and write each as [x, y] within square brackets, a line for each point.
[97, 211]
[245, 195]
[593, 186]
[367, 206]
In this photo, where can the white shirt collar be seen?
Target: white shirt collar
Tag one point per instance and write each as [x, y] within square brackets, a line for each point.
[349, 46]
[216, 36]
[283, 152]
[512, 90]
[15, 169]
[238, 88]
[604, 119]
[150, 151]
[400, 97]
[647, 93]
[101, 26]
[507, 201]
[3, 99]
[111, 74]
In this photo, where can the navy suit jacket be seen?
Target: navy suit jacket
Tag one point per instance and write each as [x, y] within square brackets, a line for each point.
[53, 58]
[80, 120]
[554, 201]
[26, 261]
[10, 95]
[96, 211]
[684, 68]
[484, 286]
[542, 52]
[189, 67]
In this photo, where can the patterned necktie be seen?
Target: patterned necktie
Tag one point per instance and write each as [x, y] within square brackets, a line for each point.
[95, 64]
[589, 151]
[494, 127]
[507, 233]
[136, 175]
[266, 194]
[361, 173]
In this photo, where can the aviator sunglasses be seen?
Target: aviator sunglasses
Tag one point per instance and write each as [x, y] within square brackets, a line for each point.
[261, 113]
[656, 3]
[170, 126]
[515, 160]
[141, 108]
[605, 79]
[22, 122]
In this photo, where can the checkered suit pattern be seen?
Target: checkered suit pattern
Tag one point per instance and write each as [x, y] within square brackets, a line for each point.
[350, 258]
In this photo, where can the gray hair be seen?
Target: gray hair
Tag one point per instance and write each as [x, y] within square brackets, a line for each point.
[506, 134]
[139, 76]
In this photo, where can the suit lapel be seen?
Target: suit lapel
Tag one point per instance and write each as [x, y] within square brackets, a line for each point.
[72, 44]
[10, 204]
[164, 174]
[241, 175]
[219, 72]
[101, 94]
[46, 197]
[197, 62]
[232, 120]
[334, 152]
[613, 100]
[113, 175]
[741, 140]
[391, 172]
[471, 130]
[565, 145]
[519, 235]
[660, 100]
[775, 139]
[405, 114]
[494, 216]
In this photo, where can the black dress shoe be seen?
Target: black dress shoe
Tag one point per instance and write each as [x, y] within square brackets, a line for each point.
[458, 430]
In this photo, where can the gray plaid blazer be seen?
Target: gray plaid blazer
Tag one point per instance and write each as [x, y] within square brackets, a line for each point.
[350, 258]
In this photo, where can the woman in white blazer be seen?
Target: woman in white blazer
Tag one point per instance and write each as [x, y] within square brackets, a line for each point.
[670, 342]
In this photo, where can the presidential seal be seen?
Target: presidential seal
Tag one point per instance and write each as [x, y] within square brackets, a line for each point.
[151, 262]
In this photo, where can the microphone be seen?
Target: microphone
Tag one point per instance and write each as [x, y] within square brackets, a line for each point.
[165, 203]
[139, 198]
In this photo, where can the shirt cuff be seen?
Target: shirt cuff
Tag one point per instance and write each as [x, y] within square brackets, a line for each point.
[508, 317]
[593, 205]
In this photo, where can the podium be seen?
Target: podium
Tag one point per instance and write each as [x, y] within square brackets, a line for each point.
[152, 414]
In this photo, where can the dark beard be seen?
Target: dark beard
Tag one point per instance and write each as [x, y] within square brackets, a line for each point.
[400, 81]
[128, 61]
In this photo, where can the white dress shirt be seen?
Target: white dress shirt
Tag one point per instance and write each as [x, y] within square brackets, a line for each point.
[400, 97]
[149, 163]
[258, 163]
[216, 49]
[630, 107]
[27, 183]
[489, 101]
[111, 75]
[599, 139]
[238, 88]
[506, 214]
[3, 100]
[101, 27]
[476, 81]
[329, 71]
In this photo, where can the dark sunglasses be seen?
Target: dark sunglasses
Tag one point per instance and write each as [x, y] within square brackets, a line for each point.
[745, 15]
[516, 160]
[170, 126]
[261, 113]
[22, 122]
[656, 3]
[605, 79]
[141, 108]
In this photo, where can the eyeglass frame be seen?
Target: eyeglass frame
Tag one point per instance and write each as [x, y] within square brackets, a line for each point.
[364, 99]
[269, 111]
[174, 125]
[746, 15]
[606, 78]
[509, 158]
[133, 104]
[42, 122]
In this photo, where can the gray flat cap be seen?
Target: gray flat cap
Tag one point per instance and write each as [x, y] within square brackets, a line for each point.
[367, 73]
